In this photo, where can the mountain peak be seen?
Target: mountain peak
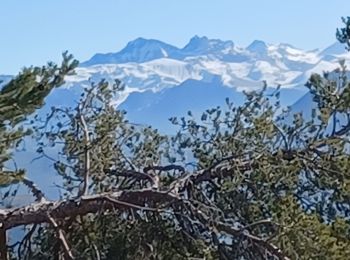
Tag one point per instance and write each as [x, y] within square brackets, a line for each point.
[257, 46]
[198, 40]
[138, 50]
[141, 42]
[199, 45]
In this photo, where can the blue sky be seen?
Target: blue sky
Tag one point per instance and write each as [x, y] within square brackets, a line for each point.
[33, 32]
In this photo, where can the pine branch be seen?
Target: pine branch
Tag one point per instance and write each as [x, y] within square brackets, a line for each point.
[36, 213]
[50, 211]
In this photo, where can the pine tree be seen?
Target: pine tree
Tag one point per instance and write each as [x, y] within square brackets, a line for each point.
[343, 34]
[19, 98]
[260, 184]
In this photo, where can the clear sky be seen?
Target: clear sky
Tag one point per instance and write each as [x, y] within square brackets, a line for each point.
[33, 32]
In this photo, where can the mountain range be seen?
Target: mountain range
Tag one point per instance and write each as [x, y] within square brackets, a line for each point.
[201, 73]
[197, 76]
[162, 80]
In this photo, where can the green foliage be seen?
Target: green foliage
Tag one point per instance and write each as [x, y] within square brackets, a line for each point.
[343, 34]
[240, 182]
[19, 98]
[291, 172]
[118, 238]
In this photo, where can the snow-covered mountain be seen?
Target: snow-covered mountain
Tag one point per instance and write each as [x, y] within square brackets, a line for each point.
[150, 68]
[163, 81]
[146, 64]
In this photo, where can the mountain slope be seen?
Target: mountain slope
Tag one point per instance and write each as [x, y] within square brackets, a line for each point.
[164, 81]
[152, 65]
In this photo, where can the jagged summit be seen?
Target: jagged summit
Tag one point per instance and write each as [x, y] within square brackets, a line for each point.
[153, 66]
[257, 46]
[199, 45]
[150, 64]
[138, 50]
[143, 50]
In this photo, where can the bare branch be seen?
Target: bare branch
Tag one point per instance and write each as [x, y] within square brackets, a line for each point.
[145, 200]
[62, 238]
[258, 223]
[36, 213]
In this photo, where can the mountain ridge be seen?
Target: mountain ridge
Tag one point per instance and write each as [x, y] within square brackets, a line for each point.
[149, 64]
[195, 46]
[152, 66]
[168, 80]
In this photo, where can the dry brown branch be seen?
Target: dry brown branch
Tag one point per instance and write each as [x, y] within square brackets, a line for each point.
[39, 212]
[36, 213]
[160, 202]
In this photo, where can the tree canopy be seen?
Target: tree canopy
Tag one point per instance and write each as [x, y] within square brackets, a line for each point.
[240, 182]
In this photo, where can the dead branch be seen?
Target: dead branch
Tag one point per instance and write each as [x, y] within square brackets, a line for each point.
[36, 213]
[61, 236]
[160, 202]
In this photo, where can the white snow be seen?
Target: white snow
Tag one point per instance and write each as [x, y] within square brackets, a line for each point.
[238, 67]
[165, 54]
